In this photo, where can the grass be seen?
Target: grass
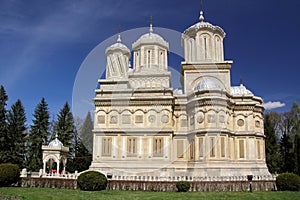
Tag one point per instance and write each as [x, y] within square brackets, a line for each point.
[46, 193]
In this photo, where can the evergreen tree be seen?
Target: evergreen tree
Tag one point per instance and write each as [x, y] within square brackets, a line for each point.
[271, 146]
[38, 135]
[82, 158]
[64, 126]
[286, 143]
[295, 114]
[16, 133]
[3, 126]
[86, 133]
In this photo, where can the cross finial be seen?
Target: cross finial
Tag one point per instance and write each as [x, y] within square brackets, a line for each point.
[119, 34]
[201, 18]
[151, 28]
[241, 80]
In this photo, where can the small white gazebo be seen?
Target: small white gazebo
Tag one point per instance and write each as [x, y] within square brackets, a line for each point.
[55, 152]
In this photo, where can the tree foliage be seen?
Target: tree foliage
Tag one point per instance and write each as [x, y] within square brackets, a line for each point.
[38, 135]
[271, 146]
[288, 181]
[287, 130]
[82, 158]
[64, 126]
[3, 126]
[92, 181]
[16, 134]
[9, 174]
[86, 133]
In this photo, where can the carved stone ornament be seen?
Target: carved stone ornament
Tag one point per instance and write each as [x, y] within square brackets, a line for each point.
[240, 122]
[222, 119]
[152, 118]
[257, 123]
[200, 118]
[165, 119]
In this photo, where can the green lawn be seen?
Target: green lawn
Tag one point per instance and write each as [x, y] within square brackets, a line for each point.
[45, 193]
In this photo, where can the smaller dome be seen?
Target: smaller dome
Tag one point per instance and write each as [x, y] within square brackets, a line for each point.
[208, 84]
[150, 38]
[240, 90]
[55, 143]
[118, 46]
[203, 25]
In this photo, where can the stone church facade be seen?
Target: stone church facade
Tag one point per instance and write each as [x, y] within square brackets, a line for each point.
[144, 127]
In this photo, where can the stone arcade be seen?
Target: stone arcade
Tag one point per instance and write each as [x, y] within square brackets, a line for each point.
[143, 127]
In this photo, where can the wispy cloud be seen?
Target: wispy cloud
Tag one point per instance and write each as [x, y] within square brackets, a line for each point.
[273, 104]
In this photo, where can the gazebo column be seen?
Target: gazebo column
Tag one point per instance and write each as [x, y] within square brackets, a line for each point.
[57, 167]
[64, 165]
[44, 167]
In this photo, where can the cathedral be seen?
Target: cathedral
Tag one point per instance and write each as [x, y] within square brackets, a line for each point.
[207, 128]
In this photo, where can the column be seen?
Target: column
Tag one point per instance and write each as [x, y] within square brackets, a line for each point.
[150, 147]
[44, 167]
[57, 168]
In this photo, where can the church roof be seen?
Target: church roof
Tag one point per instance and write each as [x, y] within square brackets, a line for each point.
[203, 25]
[240, 90]
[118, 46]
[150, 38]
[208, 83]
[55, 143]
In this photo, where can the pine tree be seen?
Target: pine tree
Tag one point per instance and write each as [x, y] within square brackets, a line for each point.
[64, 126]
[38, 135]
[86, 133]
[3, 126]
[272, 157]
[16, 132]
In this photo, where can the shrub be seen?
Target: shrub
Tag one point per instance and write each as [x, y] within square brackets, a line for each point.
[92, 181]
[288, 181]
[9, 174]
[183, 186]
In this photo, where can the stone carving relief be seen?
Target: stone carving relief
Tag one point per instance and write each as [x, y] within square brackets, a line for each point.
[101, 119]
[139, 119]
[165, 119]
[152, 118]
[222, 119]
[240, 122]
[126, 119]
[114, 119]
[200, 118]
[257, 123]
[211, 118]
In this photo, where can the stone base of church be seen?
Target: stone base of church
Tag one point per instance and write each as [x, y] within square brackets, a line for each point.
[133, 170]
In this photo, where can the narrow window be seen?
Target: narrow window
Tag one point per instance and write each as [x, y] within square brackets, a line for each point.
[158, 147]
[132, 146]
[192, 150]
[149, 58]
[205, 48]
[180, 149]
[212, 147]
[201, 147]
[258, 150]
[106, 147]
[222, 147]
[242, 149]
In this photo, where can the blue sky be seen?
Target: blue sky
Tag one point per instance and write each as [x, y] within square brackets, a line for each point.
[43, 43]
